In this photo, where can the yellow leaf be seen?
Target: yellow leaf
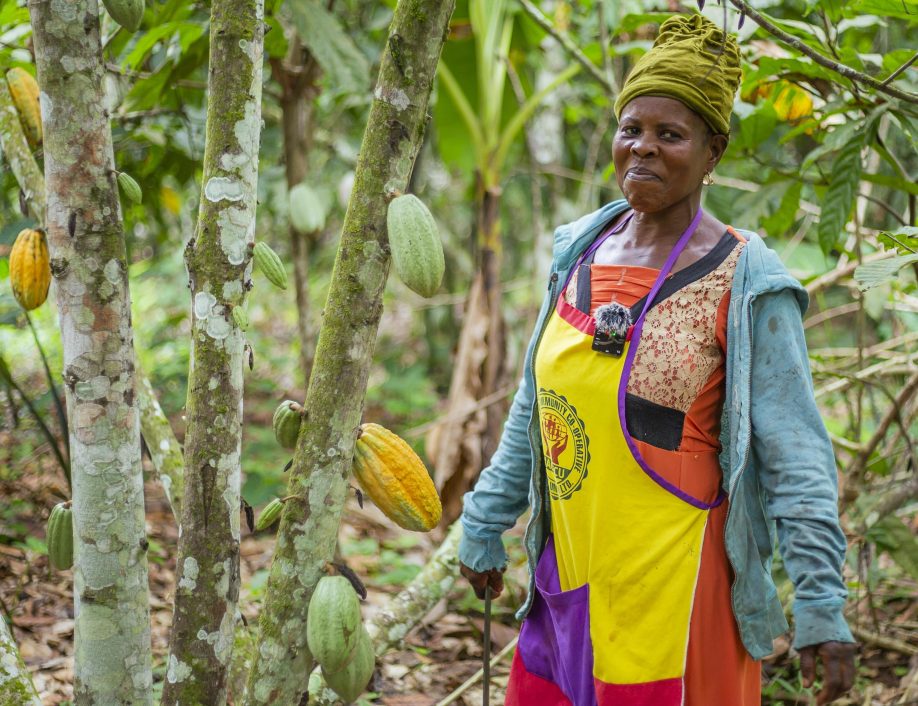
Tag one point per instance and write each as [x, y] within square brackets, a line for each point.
[170, 199]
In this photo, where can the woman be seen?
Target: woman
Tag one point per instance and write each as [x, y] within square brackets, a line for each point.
[664, 427]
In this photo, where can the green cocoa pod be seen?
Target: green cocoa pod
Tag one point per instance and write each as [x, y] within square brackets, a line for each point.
[127, 13]
[269, 515]
[307, 213]
[270, 265]
[59, 536]
[241, 317]
[333, 623]
[351, 680]
[287, 419]
[130, 187]
[417, 252]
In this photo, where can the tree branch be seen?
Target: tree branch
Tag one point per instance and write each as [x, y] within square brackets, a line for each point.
[569, 46]
[823, 61]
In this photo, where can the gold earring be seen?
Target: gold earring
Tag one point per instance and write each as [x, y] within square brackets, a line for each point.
[707, 179]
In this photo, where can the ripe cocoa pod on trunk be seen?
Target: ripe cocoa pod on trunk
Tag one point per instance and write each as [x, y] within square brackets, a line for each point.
[24, 91]
[395, 478]
[30, 268]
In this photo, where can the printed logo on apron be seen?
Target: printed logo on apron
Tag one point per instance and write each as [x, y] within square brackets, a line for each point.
[564, 443]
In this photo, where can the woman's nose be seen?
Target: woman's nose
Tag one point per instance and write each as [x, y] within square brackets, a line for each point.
[643, 146]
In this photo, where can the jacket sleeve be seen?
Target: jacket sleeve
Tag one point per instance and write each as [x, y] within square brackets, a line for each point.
[797, 469]
[502, 491]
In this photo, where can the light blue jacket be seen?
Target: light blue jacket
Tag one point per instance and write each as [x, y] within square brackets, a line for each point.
[777, 460]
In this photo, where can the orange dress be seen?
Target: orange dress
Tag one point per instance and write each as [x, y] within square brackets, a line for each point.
[719, 670]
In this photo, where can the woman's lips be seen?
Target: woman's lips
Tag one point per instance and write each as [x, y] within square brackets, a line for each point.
[638, 174]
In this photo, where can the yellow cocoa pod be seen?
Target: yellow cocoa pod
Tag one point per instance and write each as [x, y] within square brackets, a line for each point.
[24, 90]
[394, 477]
[30, 269]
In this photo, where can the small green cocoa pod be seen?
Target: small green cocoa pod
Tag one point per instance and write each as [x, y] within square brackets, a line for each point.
[351, 680]
[269, 515]
[241, 317]
[333, 623]
[59, 536]
[127, 13]
[307, 212]
[270, 265]
[417, 252]
[287, 419]
[130, 187]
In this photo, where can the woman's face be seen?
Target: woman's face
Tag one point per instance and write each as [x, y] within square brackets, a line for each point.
[661, 151]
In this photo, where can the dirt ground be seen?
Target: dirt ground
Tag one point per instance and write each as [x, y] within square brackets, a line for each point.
[439, 655]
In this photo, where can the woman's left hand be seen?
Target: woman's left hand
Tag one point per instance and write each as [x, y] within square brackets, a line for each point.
[837, 668]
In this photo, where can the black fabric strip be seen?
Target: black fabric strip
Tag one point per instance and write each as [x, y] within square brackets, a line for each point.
[698, 269]
[584, 288]
[653, 423]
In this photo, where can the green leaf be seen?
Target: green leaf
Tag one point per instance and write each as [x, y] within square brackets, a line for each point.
[891, 535]
[873, 274]
[275, 41]
[757, 127]
[839, 199]
[903, 239]
[781, 220]
[340, 59]
[901, 9]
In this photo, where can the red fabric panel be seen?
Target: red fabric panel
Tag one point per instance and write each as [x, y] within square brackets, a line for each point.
[718, 670]
[666, 692]
[525, 689]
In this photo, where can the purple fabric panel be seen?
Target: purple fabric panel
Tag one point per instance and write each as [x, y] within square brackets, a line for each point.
[629, 361]
[555, 638]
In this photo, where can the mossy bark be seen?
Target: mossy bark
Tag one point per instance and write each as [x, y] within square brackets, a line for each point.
[165, 450]
[219, 265]
[86, 242]
[334, 402]
[16, 687]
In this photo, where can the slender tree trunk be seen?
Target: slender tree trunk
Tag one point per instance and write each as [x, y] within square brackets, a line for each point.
[16, 687]
[165, 450]
[297, 77]
[86, 242]
[218, 259]
[463, 445]
[334, 402]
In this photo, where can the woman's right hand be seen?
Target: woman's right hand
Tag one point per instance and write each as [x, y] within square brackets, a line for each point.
[481, 579]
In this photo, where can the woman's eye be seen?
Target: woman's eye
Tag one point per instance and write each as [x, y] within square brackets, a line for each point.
[629, 131]
[669, 135]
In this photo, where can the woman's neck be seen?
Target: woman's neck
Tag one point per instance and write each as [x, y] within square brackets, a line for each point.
[661, 228]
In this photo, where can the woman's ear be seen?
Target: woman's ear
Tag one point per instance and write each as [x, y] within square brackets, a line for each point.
[717, 145]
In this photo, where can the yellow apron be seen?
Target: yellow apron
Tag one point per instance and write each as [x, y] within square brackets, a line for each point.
[616, 581]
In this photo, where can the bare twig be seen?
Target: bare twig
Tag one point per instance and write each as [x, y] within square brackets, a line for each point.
[897, 495]
[887, 643]
[820, 59]
[833, 276]
[894, 74]
[860, 461]
[462, 688]
[569, 46]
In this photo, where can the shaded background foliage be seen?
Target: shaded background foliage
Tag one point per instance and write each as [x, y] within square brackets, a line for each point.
[823, 165]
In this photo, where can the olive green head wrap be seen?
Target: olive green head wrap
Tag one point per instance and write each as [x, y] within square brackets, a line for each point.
[689, 62]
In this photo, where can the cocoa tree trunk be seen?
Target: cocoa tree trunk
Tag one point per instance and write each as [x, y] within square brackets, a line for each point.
[297, 76]
[219, 265]
[16, 687]
[86, 242]
[334, 402]
[165, 451]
